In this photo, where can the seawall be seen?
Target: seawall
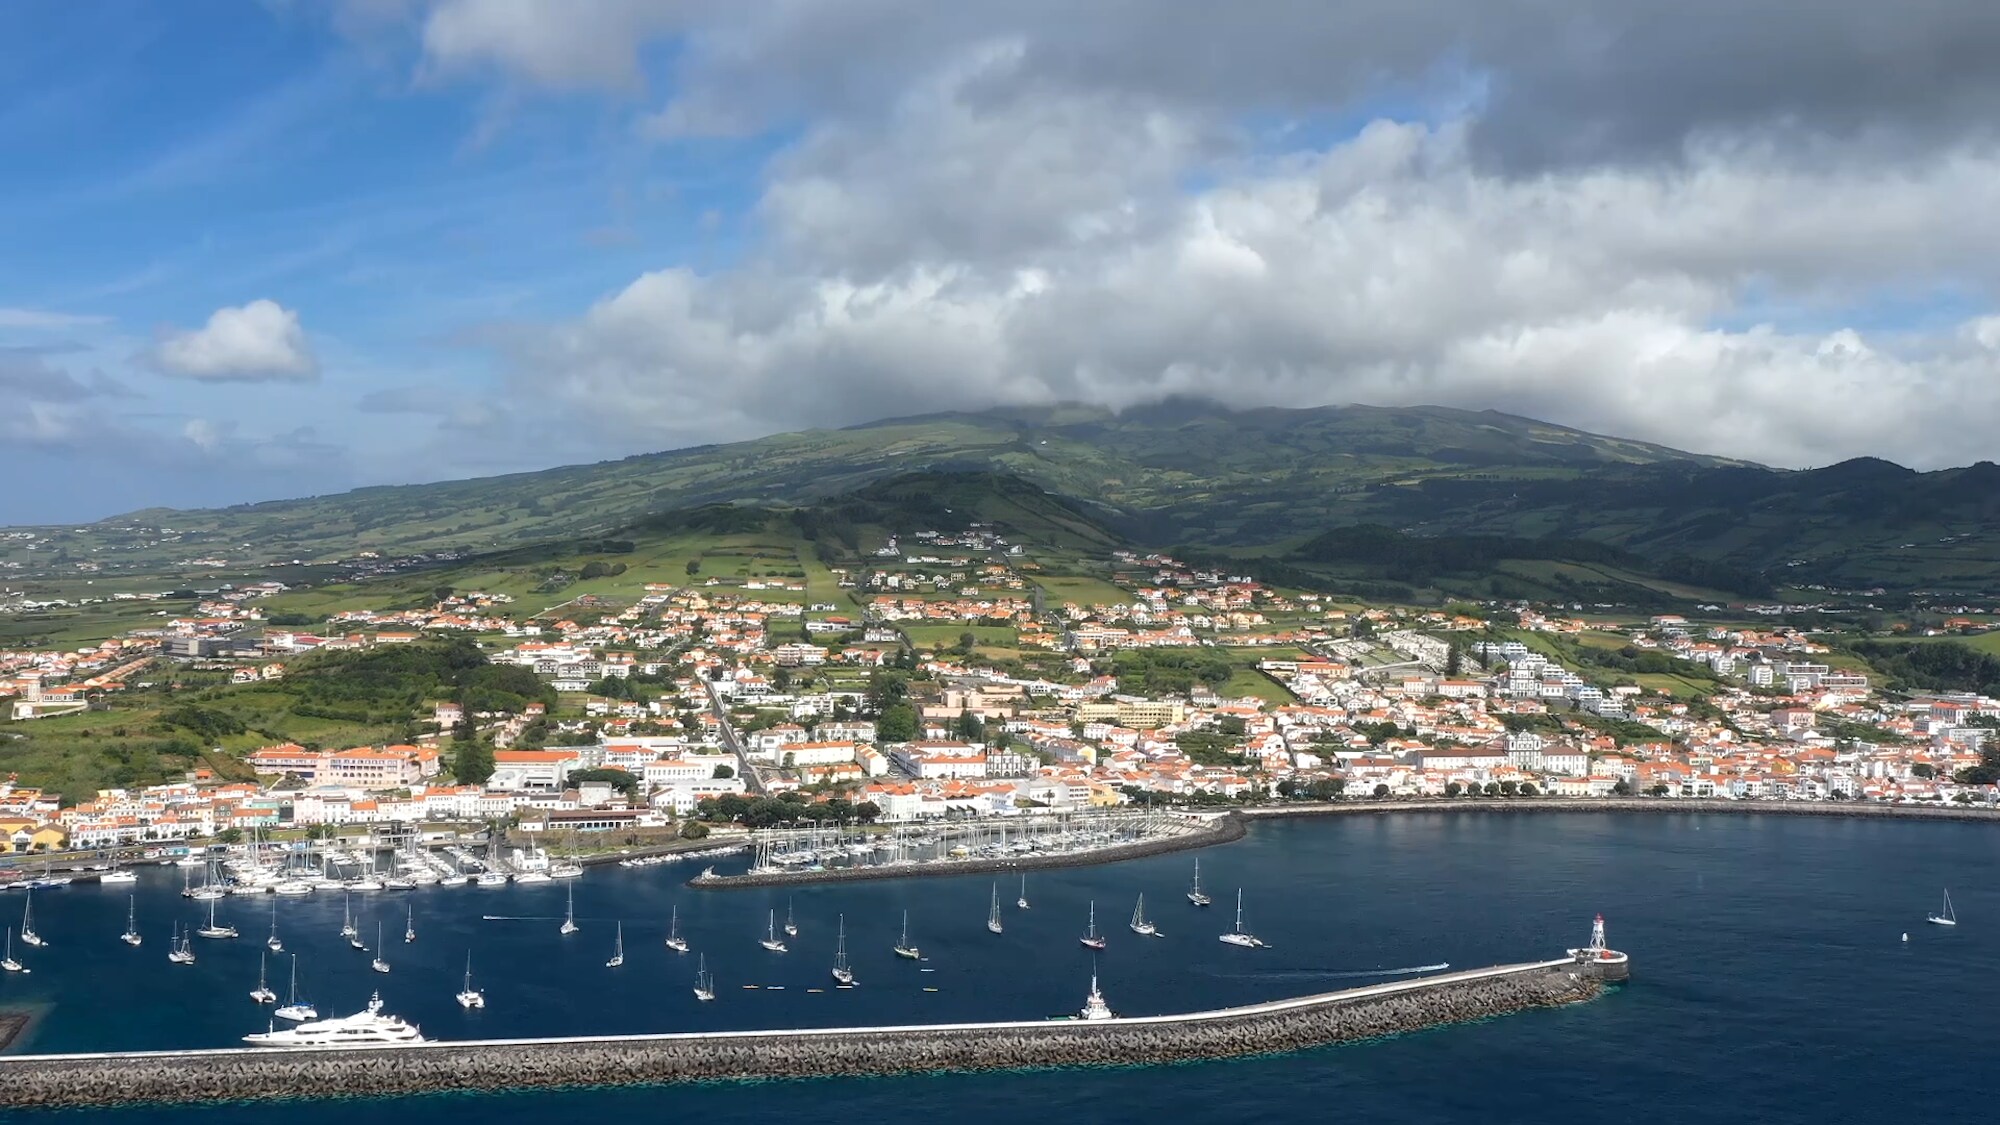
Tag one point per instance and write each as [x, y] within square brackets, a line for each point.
[1669, 805]
[1218, 830]
[1285, 1025]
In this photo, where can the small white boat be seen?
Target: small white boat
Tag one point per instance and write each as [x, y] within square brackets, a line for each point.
[675, 941]
[771, 940]
[993, 925]
[295, 1009]
[1195, 894]
[704, 985]
[1946, 916]
[904, 949]
[1139, 924]
[842, 974]
[469, 997]
[791, 927]
[182, 951]
[569, 925]
[8, 963]
[617, 949]
[1240, 936]
[262, 994]
[28, 934]
[490, 879]
[131, 934]
[1091, 938]
[380, 964]
[118, 875]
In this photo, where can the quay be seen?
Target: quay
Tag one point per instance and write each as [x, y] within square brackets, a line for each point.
[240, 1074]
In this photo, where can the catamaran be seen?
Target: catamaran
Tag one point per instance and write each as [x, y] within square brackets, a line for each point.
[272, 943]
[182, 952]
[1139, 924]
[569, 925]
[8, 963]
[216, 929]
[704, 985]
[791, 927]
[904, 949]
[1240, 936]
[1022, 902]
[675, 941]
[410, 925]
[1945, 917]
[993, 914]
[469, 997]
[771, 940]
[617, 949]
[347, 929]
[379, 964]
[295, 1009]
[262, 994]
[841, 973]
[28, 934]
[131, 934]
[1195, 894]
[1091, 937]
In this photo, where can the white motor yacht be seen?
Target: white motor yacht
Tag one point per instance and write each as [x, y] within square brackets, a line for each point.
[366, 1028]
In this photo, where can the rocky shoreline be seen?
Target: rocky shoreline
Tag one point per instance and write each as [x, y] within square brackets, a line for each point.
[1292, 1025]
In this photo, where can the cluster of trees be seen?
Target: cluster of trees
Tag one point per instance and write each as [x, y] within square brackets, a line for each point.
[597, 569]
[618, 779]
[1491, 789]
[1206, 749]
[387, 685]
[1421, 559]
[205, 723]
[788, 808]
[1933, 665]
[1170, 671]
[1319, 789]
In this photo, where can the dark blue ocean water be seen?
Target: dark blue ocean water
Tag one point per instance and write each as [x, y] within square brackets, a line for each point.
[1770, 982]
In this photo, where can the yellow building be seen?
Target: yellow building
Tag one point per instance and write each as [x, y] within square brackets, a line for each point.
[21, 834]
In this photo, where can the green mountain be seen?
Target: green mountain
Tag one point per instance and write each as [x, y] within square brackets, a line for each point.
[1201, 478]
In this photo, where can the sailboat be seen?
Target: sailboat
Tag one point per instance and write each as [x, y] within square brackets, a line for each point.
[1240, 936]
[1022, 902]
[347, 929]
[791, 927]
[8, 963]
[1139, 924]
[182, 952]
[1945, 917]
[272, 943]
[410, 924]
[262, 994]
[675, 941]
[1091, 937]
[993, 914]
[617, 949]
[704, 985]
[771, 940]
[903, 947]
[379, 964]
[216, 929]
[1195, 894]
[28, 934]
[131, 934]
[569, 925]
[841, 973]
[295, 1009]
[469, 997]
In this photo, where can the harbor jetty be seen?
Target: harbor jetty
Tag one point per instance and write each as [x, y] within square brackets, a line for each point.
[46, 1081]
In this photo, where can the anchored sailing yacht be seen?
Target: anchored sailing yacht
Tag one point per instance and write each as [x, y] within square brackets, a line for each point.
[1091, 937]
[1195, 894]
[1139, 924]
[993, 915]
[215, 929]
[379, 964]
[1240, 936]
[841, 973]
[410, 925]
[182, 952]
[771, 940]
[704, 985]
[1945, 917]
[262, 993]
[791, 927]
[904, 949]
[131, 934]
[295, 1009]
[347, 929]
[272, 943]
[469, 997]
[366, 1028]
[675, 941]
[569, 925]
[28, 934]
[8, 963]
[617, 949]
[1022, 902]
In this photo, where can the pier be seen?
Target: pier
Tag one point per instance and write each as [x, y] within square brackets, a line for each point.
[238, 1074]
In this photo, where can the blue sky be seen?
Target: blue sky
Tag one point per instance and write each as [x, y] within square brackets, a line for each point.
[265, 248]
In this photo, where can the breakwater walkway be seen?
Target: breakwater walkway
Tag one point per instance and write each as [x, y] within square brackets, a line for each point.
[1284, 1025]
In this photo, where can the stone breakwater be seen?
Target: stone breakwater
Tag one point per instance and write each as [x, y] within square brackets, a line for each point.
[1217, 830]
[1285, 1025]
[1682, 805]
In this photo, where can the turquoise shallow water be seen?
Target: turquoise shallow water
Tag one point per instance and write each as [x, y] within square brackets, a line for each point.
[1770, 981]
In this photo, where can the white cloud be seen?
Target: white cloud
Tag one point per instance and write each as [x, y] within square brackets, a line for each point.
[258, 342]
[39, 320]
[563, 43]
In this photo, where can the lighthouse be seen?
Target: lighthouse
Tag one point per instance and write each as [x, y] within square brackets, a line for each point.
[1599, 958]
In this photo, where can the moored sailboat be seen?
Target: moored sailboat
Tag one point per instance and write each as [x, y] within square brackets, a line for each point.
[182, 951]
[1022, 902]
[409, 924]
[131, 934]
[1195, 894]
[842, 974]
[704, 985]
[1139, 924]
[262, 994]
[381, 963]
[1239, 935]
[904, 949]
[28, 934]
[8, 962]
[569, 925]
[469, 997]
[771, 940]
[617, 949]
[1946, 916]
[216, 929]
[791, 926]
[272, 943]
[1091, 938]
[347, 929]
[295, 1009]
[993, 913]
[675, 941]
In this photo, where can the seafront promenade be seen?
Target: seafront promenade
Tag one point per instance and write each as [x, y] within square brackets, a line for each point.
[42, 1081]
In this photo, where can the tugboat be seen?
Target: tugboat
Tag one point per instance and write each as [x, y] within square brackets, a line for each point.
[1607, 963]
